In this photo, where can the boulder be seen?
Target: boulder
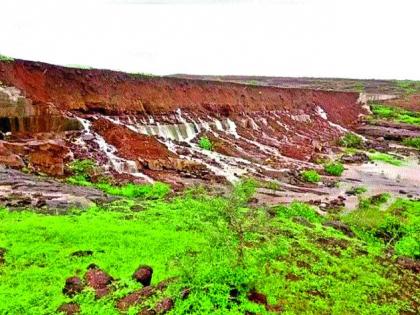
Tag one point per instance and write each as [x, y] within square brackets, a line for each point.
[143, 274]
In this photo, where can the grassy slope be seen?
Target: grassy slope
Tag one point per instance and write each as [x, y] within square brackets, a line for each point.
[302, 268]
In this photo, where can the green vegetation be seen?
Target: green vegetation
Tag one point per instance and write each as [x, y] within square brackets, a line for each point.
[6, 58]
[395, 114]
[398, 225]
[358, 190]
[253, 82]
[351, 140]
[384, 157]
[219, 247]
[334, 168]
[359, 86]
[412, 142]
[141, 75]
[86, 173]
[408, 86]
[310, 176]
[205, 143]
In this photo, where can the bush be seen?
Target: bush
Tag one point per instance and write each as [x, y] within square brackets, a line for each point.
[298, 209]
[351, 140]
[310, 176]
[412, 142]
[334, 168]
[205, 143]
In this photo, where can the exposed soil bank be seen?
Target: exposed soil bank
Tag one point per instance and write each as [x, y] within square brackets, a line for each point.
[116, 92]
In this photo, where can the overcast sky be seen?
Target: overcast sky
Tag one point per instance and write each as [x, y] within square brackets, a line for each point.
[318, 38]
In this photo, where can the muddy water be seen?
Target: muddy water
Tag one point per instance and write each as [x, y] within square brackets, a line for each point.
[378, 177]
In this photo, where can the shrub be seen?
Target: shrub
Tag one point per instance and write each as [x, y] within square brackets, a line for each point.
[358, 190]
[298, 209]
[334, 168]
[150, 191]
[205, 143]
[351, 140]
[412, 142]
[81, 167]
[310, 176]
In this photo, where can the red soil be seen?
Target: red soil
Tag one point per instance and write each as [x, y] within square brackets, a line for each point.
[116, 92]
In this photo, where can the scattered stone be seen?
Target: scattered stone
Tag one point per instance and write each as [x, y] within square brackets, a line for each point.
[340, 226]
[99, 280]
[143, 274]
[409, 263]
[73, 286]
[69, 308]
[164, 306]
[135, 298]
[82, 253]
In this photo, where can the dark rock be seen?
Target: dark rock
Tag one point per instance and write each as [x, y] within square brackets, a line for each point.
[185, 293]
[143, 274]
[99, 280]
[147, 311]
[257, 297]
[164, 306]
[135, 298]
[409, 263]
[69, 308]
[358, 157]
[340, 226]
[82, 253]
[73, 286]
[2, 254]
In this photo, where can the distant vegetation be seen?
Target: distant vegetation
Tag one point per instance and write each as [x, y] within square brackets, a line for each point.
[6, 58]
[351, 140]
[205, 143]
[381, 111]
[408, 86]
[310, 176]
[140, 75]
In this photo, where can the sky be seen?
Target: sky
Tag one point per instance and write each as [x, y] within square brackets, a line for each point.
[311, 38]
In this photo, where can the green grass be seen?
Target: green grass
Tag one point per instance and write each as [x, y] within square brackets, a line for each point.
[205, 143]
[412, 142]
[310, 176]
[384, 157]
[397, 225]
[212, 244]
[334, 168]
[351, 140]
[6, 58]
[86, 171]
[381, 111]
[358, 190]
